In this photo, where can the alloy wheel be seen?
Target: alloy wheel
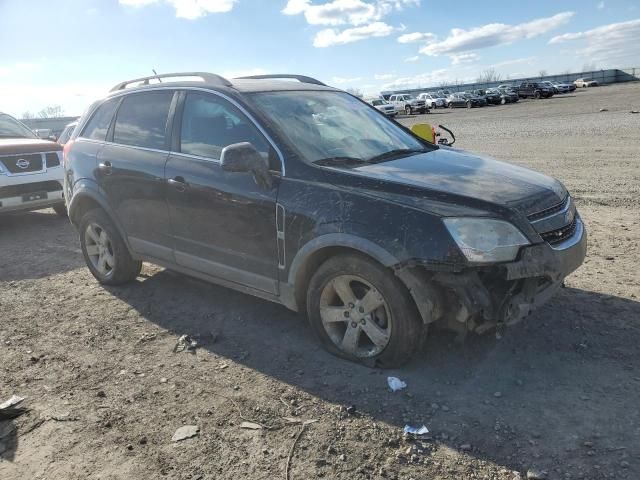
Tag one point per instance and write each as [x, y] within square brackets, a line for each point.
[99, 249]
[355, 316]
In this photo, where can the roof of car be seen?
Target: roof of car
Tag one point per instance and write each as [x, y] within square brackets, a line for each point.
[259, 83]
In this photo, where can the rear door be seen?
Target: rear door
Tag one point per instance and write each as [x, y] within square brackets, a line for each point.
[223, 223]
[131, 171]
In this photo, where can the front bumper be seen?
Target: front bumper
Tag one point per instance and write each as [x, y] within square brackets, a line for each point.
[25, 192]
[480, 298]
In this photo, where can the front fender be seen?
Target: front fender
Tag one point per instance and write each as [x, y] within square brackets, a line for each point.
[345, 240]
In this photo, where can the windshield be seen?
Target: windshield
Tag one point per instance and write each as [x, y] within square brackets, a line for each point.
[327, 125]
[377, 103]
[12, 128]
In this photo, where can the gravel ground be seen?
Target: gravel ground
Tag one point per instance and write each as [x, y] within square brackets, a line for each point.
[556, 397]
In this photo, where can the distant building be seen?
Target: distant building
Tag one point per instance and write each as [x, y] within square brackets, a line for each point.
[55, 124]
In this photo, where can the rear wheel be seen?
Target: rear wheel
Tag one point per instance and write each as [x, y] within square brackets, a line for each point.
[104, 250]
[503, 101]
[360, 311]
[469, 105]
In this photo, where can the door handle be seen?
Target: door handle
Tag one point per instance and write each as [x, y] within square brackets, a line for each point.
[105, 167]
[178, 183]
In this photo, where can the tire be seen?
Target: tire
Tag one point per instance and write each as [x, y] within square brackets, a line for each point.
[106, 243]
[394, 322]
[503, 101]
[60, 209]
[469, 105]
[537, 95]
[407, 110]
[450, 105]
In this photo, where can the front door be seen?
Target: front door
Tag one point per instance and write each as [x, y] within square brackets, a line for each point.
[223, 223]
[131, 171]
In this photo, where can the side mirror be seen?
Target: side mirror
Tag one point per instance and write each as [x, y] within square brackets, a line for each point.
[243, 157]
[425, 131]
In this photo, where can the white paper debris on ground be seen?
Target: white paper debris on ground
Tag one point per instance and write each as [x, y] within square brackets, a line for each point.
[14, 400]
[396, 384]
[185, 432]
[250, 426]
[416, 430]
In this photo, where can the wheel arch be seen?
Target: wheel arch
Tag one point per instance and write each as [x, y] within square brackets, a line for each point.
[85, 199]
[318, 250]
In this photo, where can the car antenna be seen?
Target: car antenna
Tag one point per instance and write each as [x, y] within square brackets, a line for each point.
[156, 74]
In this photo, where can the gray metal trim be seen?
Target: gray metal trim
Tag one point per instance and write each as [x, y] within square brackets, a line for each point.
[573, 240]
[556, 220]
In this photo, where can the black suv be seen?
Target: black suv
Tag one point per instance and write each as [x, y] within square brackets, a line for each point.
[534, 89]
[305, 195]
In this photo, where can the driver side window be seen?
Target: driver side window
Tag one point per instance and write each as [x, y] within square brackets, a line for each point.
[210, 123]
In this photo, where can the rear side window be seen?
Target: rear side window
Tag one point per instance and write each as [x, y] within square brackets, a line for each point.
[98, 126]
[142, 120]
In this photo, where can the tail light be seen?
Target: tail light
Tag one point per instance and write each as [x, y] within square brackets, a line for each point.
[65, 151]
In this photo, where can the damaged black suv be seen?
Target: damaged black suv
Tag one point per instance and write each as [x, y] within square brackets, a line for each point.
[305, 195]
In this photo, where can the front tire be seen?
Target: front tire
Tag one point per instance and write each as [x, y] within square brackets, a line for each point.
[60, 209]
[407, 110]
[360, 311]
[104, 250]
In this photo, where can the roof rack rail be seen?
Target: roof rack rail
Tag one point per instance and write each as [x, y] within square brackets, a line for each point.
[300, 78]
[207, 77]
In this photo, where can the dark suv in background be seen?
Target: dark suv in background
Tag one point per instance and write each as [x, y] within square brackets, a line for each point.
[534, 90]
[307, 196]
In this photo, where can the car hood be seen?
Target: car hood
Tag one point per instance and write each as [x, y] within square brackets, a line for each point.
[17, 146]
[455, 172]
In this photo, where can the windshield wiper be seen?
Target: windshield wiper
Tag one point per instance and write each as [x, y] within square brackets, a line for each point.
[340, 161]
[391, 154]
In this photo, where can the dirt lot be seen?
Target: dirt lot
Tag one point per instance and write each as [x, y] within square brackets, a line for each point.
[557, 394]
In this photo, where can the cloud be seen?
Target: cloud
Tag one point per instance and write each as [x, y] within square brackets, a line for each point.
[607, 43]
[415, 58]
[331, 36]
[188, 9]
[600, 5]
[416, 37]
[383, 76]
[18, 69]
[458, 58]
[359, 19]
[432, 78]
[515, 61]
[342, 80]
[465, 41]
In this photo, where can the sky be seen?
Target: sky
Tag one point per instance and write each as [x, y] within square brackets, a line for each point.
[71, 52]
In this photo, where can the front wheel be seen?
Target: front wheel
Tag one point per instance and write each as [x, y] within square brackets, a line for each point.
[361, 311]
[469, 105]
[537, 95]
[104, 250]
[407, 110]
[60, 209]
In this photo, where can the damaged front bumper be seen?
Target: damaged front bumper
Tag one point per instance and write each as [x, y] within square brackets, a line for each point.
[480, 298]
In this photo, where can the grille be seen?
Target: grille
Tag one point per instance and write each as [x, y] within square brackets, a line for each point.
[32, 162]
[549, 211]
[17, 190]
[561, 234]
[52, 160]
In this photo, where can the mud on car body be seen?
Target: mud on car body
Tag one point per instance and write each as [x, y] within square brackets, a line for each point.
[307, 196]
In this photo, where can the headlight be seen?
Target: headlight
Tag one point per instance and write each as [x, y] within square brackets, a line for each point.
[486, 240]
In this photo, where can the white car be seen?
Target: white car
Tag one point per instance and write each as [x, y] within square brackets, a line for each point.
[585, 82]
[562, 87]
[31, 172]
[433, 100]
[383, 106]
[407, 103]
